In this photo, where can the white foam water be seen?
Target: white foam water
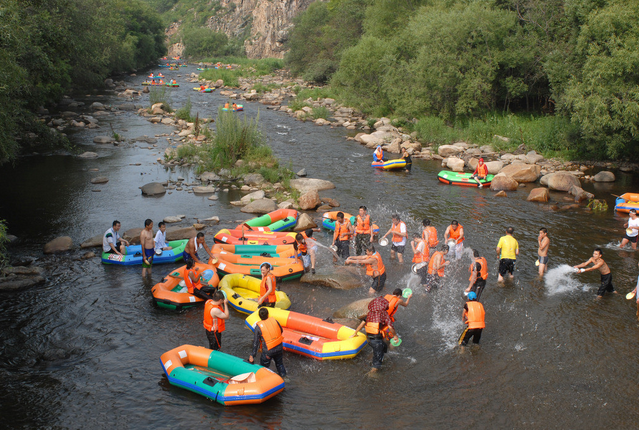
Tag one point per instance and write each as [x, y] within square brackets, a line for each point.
[563, 279]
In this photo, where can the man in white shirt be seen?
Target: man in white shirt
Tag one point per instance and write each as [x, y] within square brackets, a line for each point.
[160, 239]
[632, 231]
[113, 242]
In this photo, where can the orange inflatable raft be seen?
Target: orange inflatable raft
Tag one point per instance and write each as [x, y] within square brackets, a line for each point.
[169, 293]
[254, 237]
[283, 268]
[254, 250]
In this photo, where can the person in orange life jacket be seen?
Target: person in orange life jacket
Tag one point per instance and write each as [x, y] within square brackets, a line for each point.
[202, 87]
[378, 154]
[394, 301]
[226, 105]
[421, 255]
[374, 268]
[429, 234]
[377, 323]
[363, 231]
[216, 311]
[267, 287]
[302, 249]
[478, 275]
[312, 246]
[268, 333]
[342, 236]
[455, 232]
[436, 267]
[400, 234]
[195, 284]
[481, 172]
[234, 106]
[473, 316]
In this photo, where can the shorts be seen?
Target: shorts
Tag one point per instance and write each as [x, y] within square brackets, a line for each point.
[118, 245]
[306, 260]
[632, 239]
[506, 266]
[148, 253]
[432, 281]
[188, 257]
[478, 287]
[398, 248]
[378, 282]
[342, 248]
[543, 260]
[468, 333]
[606, 284]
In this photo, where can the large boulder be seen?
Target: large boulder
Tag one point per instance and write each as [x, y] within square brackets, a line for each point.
[539, 194]
[63, 243]
[177, 233]
[395, 146]
[304, 221]
[133, 235]
[449, 150]
[522, 173]
[260, 206]
[254, 179]
[456, 164]
[494, 167]
[153, 189]
[354, 310]
[204, 190]
[580, 194]
[340, 277]
[306, 184]
[247, 199]
[503, 182]
[604, 177]
[172, 219]
[95, 241]
[561, 181]
[309, 200]
[532, 157]
[370, 141]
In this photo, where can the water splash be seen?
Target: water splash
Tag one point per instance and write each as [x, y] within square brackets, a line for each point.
[562, 280]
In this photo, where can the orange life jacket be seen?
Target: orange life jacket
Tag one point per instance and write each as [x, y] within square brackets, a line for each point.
[398, 238]
[456, 233]
[226, 105]
[393, 305]
[271, 332]
[421, 257]
[380, 265]
[379, 154]
[432, 236]
[483, 274]
[192, 274]
[482, 170]
[474, 317]
[363, 225]
[213, 323]
[264, 288]
[341, 231]
[301, 247]
[431, 266]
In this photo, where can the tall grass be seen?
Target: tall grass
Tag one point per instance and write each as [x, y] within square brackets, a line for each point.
[184, 113]
[159, 94]
[229, 76]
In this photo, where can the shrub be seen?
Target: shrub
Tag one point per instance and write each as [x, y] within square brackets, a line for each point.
[184, 113]
[321, 112]
[159, 94]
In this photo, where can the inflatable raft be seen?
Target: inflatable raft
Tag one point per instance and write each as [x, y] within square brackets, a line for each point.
[172, 85]
[390, 164]
[243, 291]
[133, 254]
[238, 108]
[275, 221]
[462, 179]
[329, 218]
[283, 268]
[206, 90]
[310, 336]
[224, 378]
[168, 292]
[254, 237]
[254, 250]
[627, 202]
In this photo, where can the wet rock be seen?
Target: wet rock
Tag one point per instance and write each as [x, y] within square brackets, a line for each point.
[88, 155]
[20, 282]
[22, 270]
[211, 220]
[306, 184]
[95, 241]
[246, 199]
[253, 179]
[332, 202]
[580, 194]
[198, 226]
[99, 180]
[539, 194]
[97, 106]
[522, 173]
[153, 189]
[133, 235]
[449, 150]
[455, 164]
[103, 140]
[395, 147]
[304, 221]
[285, 205]
[354, 310]
[203, 190]
[309, 200]
[260, 206]
[146, 90]
[128, 106]
[503, 182]
[172, 219]
[301, 173]
[11, 239]
[177, 233]
[323, 208]
[501, 194]
[60, 244]
[340, 277]
[209, 176]
[561, 181]
[88, 255]
[213, 198]
[604, 177]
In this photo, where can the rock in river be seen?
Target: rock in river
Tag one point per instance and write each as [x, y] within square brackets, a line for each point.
[176, 233]
[153, 189]
[309, 200]
[539, 194]
[63, 243]
[503, 182]
[304, 221]
[306, 184]
[354, 310]
[342, 278]
[99, 180]
[604, 177]
[260, 206]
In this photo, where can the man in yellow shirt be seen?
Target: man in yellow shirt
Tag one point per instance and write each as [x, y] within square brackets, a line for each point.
[508, 250]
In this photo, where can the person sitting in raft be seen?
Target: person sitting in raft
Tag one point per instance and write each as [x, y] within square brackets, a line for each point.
[202, 87]
[421, 255]
[160, 239]
[267, 287]
[235, 106]
[473, 316]
[408, 159]
[216, 311]
[374, 268]
[301, 247]
[192, 247]
[436, 268]
[312, 245]
[173, 81]
[226, 105]
[112, 242]
[455, 232]
[377, 324]
[268, 333]
[378, 155]
[481, 172]
[394, 301]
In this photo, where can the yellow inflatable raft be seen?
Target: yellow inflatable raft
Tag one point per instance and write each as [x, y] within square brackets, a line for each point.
[243, 291]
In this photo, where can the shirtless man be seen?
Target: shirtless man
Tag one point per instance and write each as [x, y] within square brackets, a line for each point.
[542, 252]
[599, 264]
[148, 247]
[194, 244]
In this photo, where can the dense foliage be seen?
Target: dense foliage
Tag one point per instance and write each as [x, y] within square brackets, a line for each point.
[455, 63]
[48, 47]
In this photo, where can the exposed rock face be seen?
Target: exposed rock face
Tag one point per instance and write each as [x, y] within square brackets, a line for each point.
[561, 181]
[260, 206]
[354, 309]
[336, 277]
[304, 221]
[522, 172]
[269, 22]
[539, 194]
[177, 233]
[503, 182]
[309, 200]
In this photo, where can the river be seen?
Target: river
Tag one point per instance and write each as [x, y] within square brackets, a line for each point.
[83, 350]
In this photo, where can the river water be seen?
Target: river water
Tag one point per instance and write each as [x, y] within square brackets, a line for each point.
[83, 350]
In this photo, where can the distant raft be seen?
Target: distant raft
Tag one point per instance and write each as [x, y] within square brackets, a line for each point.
[313, 337]
[462, 179]
[390, 164]
[221, 377]
[276, 221]
[243, 291]
[133, 254]
[234, 109]
[627, 202]
[205, 90]
[170, 292]
[254, 237]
